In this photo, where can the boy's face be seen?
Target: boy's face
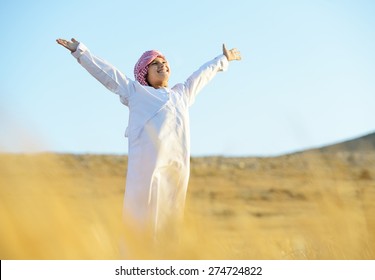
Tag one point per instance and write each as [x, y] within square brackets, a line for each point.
[158, 73]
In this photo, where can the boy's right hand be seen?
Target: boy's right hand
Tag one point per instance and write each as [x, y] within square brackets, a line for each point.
[70, 45]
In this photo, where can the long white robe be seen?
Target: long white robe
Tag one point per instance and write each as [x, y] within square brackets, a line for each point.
[159, 139]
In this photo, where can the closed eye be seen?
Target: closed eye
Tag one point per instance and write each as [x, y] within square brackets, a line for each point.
[158, 63]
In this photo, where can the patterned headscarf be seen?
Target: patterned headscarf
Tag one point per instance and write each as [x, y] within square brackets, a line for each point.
[141, 67]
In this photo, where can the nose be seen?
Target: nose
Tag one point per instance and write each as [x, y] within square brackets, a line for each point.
[162, 67]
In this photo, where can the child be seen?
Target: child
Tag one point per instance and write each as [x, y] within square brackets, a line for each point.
[158, 131]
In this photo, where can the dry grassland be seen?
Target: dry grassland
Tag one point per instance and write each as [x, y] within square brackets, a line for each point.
[309, 205]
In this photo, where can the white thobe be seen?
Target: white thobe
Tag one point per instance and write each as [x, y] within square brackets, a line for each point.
[159, 139]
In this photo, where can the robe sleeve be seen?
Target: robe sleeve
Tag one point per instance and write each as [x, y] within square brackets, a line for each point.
[203, 76]
[105, 73]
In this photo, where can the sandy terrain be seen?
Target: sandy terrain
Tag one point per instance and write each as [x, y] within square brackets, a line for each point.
[317, 204]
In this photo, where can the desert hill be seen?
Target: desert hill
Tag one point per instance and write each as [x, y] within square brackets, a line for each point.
[361, 144]
[317, 204]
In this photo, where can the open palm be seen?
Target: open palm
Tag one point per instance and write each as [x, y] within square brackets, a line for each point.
[70, 45]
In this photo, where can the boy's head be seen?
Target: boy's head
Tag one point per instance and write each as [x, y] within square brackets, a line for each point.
[152, 69]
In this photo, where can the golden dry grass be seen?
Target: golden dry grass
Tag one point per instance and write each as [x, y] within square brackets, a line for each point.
[302, 206]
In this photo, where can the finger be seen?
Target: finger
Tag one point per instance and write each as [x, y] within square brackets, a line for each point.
[63, 43]
[224, 48]
[60, 42]
[236, 54]
[74, 40]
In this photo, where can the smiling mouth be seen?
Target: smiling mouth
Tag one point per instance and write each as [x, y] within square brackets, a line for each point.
[163, 71]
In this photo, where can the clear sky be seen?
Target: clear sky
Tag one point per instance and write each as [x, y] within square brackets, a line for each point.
[306, 78]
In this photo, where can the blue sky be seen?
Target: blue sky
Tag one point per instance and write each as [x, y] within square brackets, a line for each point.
[306, 78]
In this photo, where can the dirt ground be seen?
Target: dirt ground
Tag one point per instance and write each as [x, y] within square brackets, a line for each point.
[310, 205]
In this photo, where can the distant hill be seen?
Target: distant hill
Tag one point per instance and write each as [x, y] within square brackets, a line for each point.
[361, 144]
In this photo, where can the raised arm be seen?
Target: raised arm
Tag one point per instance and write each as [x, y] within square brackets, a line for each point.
[206, 72]
[104, 72]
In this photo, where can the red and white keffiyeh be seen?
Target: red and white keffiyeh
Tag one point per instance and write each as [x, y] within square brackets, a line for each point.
[141, 67]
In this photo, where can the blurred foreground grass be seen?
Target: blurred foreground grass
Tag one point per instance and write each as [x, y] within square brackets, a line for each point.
[302, 206]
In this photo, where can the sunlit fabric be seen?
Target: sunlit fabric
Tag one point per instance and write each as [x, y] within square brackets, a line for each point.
[159, 139]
